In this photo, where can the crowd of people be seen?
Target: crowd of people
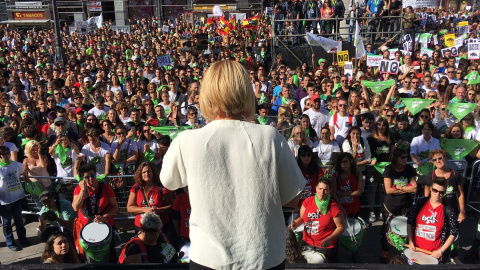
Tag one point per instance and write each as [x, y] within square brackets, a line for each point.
[111, 110]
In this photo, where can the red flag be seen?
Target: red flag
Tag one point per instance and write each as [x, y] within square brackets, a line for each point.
[251, 23]
[224, 27]
[233, 23]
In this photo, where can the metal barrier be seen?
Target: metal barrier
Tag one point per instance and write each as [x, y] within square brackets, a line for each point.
[473, 194]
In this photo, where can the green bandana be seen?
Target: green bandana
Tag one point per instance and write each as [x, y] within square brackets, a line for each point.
[5, 164]
[322, 206]
[162, 121]
[149, 156]
[24, 142]
[80, 124]
[307, 132]
[62, 152]
[263, 120]
[285, 101]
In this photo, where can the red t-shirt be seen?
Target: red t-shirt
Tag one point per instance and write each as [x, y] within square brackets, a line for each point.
[182, 205]
[155, 198]
[318, 226]
[428, 231]
[351, 204]
[104, 206]
[309, 188]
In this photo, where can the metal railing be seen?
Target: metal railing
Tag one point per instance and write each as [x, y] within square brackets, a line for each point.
[473, 194]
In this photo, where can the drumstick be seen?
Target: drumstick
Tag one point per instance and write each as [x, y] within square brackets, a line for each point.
[419, 249]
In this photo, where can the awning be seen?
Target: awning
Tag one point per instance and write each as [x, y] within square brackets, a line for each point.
[25, 22]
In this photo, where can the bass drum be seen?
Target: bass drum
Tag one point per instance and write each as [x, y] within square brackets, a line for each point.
[314, 257]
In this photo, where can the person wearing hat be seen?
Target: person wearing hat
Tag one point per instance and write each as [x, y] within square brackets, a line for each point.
[88, 84]
[56, 215]
[318, 116]
[11, 199]
[60, 127]
[321, 68]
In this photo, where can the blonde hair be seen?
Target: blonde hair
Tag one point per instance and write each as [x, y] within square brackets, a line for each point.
[29, 146]
[227, 88]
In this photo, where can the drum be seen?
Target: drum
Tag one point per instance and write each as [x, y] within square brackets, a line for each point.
[352, 236]
[299, 233]
[95, 239]
[416, 257]
[183, 254]
[314, 257]
[397, 232]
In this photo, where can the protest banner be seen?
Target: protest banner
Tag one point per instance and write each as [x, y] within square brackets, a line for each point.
[392, 53]
[459, 148]
[425, 51]
[342, 57]
[463, 27]
[389, 66]
[415, 105]
[378, 87]
[374, 60]
[164, 60]
[459, 41]
[460, 110]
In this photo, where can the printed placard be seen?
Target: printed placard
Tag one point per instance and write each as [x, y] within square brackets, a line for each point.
[463, 27]
[392, 53]
[450, 40]
[165, 29]
[374, 60]
[389, 66]
[342, 57]
[459, 41]
[454, 51]
[473, 51]
[348, 69]
[425, 51]
[164, 60]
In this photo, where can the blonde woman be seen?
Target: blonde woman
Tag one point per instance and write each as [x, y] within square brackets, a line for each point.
[377, 103]
[241, 166]
[297, 139]
[36, 164]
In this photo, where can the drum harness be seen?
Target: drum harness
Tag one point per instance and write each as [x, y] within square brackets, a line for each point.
[92, 213]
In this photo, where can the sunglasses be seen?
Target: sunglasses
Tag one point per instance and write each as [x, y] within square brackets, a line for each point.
[306, 155]
[59, 124]
[363, 104]
[342, 105]
[403, 157]
[146, 130]
[432, 96]
[90, 176]
[390, 115]
[120, 133]
[434, 190]
[435, 159]
[407, 81]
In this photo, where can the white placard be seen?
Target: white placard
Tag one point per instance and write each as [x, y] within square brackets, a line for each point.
[374, 60]
[473, 51]
[420, 3]
[426, 51]
[165, 29]
[164, 60]
[348, 69]
[454, 51]
[459, 41]
[389, 66]
[392, 53]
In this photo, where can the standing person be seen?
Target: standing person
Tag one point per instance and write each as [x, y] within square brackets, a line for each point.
[341, 122]
[374, 10]
[400, 184]
[432, 225]
[226, 97]
[95, 152]
[319, 117]
[310, 170]
[11, 199]
[65, 154]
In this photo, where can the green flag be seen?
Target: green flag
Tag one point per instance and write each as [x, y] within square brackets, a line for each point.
[172, 131]
[415, 105]
[460, 110]
[380, 166]
[425, 168]
[459, 148]
[473, 78]
[378, 87]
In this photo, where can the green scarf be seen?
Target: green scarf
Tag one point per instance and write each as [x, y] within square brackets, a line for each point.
[307, 132]
[285, 101]
[62, 152]
[263, 120]
[162, 121]
[149, 156]
[5, 164]
[322, 206]
[24, 142]
[80, 124]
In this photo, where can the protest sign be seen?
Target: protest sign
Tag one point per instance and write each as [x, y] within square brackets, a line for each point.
[463, 27]
[407, 42]
[90, 25]
[473, 51]
[392, 53]
[342, 57]
[460, 110]
[420, 3]
[449, 40]
[165, 29]
[425, 51]
[453, 50]
[164, 60]
[389, 66]
[459, 41]
[374, 60]
[348, 69]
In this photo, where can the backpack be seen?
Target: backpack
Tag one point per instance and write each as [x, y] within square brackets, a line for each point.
[140, 244]
[335, 118]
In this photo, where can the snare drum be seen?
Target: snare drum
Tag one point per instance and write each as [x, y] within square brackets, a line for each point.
[184, 254]
[352, 236]
[95, 239]
[314, 257]
[299, 233]
[397, 232]
[416, 257]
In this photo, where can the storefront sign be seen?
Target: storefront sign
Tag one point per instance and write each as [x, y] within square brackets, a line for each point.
[36, 15]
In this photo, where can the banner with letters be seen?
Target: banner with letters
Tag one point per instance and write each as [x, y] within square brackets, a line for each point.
[374, 60]
[90, 25]
[389, 66]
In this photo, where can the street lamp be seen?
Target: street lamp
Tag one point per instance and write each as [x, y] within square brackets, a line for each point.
[59, 52]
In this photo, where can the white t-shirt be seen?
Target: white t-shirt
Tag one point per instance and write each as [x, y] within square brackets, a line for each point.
[294, 147]
[342, 126]
[123, 150]
[96, 158]
[237, 188]
[65, 170]
[10, 185]
[422, 148]
[11, 146]
[154, 146]
[318, 119]
[98, 113]
[325, 151]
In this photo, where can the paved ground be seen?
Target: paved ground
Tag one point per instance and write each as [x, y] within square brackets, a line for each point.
[368, 253]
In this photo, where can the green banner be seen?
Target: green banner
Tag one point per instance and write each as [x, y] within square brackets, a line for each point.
[425, 168]
[460, 110]
[415, 105]
[459, 148]
[380, 166]
[378, 87]
[170, 131]
[473, 78]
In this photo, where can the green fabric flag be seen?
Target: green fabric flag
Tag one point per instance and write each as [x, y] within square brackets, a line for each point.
[425, 37]
[149, 156]
[337, 86]
[172, 131]
[473, 78]
[380, 166]
[62, 152]
[460, 110]
[443, 32]
[459, 148]
[378, 87]
[415, 105]
[295, 79]
[425, 168]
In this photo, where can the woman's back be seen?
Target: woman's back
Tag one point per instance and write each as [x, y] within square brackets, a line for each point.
[238, 175]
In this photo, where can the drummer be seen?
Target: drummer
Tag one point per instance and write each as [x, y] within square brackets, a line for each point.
[324, 221]
[435, 224]
[85, 197]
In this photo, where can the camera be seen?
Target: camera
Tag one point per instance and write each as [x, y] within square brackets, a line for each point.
[51, 216]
